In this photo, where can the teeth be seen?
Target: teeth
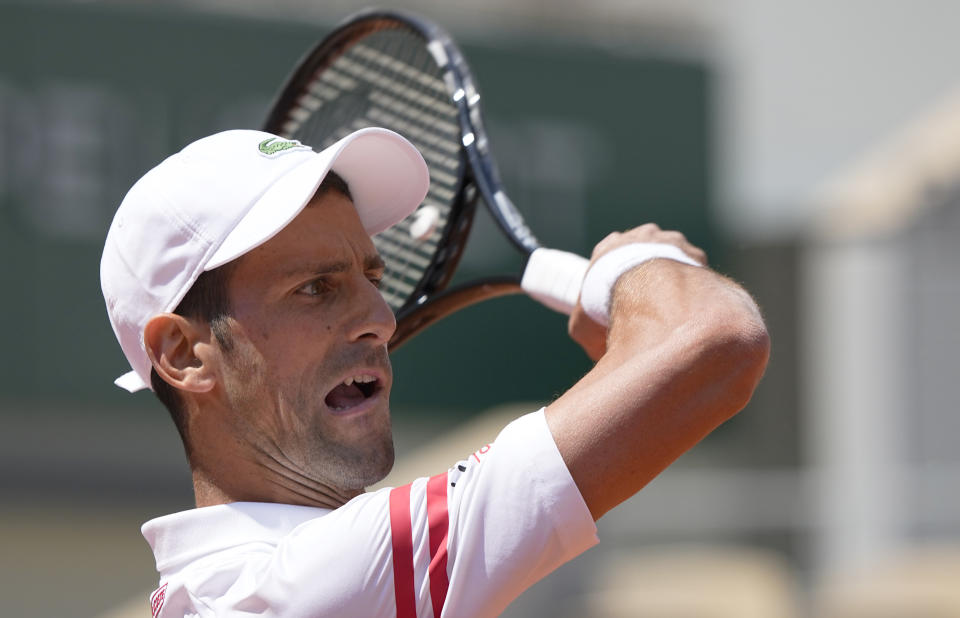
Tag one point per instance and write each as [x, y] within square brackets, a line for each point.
[360, 379]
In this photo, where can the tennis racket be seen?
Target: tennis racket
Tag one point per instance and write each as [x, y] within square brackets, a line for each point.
[395, 70]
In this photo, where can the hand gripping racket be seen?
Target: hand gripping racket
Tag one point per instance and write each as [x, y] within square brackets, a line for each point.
[394, 70]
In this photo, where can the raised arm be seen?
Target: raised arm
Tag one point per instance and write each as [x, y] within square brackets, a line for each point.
[683, 352]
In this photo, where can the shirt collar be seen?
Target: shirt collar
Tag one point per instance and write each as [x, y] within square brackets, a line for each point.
[181, 538]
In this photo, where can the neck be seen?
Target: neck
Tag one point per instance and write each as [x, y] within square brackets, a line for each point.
[232, 466]
[251, 483]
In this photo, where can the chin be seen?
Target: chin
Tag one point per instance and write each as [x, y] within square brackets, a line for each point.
[381, 467]
[354, 468]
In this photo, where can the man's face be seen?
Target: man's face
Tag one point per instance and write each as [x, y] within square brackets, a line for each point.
[307, 378]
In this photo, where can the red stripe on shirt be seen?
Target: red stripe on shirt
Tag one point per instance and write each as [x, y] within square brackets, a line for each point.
[438, 520]
[402, 534]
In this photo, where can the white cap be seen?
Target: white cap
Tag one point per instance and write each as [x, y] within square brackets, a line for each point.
[224, 195]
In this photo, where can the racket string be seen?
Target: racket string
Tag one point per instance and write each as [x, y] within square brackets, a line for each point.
[402, 272]
[445, 173]
[415, 114]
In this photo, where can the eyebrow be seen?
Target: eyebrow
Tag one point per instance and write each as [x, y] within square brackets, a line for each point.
[371, 262]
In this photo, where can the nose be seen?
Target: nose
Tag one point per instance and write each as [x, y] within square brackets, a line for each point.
[374, 319]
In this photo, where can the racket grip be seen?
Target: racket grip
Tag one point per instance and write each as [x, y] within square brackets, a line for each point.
[554, 278]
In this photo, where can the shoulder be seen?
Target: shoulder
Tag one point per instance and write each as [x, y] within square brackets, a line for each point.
[251, 555]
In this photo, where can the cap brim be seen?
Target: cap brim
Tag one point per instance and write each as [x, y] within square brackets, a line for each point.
[387, 176]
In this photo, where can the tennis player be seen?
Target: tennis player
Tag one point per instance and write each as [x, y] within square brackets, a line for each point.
[241, 281]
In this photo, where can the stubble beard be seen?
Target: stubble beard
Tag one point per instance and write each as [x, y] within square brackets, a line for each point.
[349, 467]
[352, 468]
[304, 444]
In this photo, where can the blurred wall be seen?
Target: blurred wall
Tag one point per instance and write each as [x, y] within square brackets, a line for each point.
[801, 87]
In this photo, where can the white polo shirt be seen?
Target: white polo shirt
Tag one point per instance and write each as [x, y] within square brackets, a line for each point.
[463, 543]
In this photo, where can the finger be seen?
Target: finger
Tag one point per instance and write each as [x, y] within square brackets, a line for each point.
[609, 242]
[696, 253]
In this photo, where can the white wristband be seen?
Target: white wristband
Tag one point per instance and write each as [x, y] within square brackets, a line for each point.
[554, 278]
[602, 277]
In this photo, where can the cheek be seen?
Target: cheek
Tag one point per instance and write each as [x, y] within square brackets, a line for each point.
[299, 342]
[298, 369]
[272, 342]
[286, 357]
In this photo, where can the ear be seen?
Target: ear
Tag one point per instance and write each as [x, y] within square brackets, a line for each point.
[175, 346]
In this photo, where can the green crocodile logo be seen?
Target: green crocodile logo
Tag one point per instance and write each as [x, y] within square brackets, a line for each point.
[272, 146]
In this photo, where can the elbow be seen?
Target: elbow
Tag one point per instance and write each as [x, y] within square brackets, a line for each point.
[744, 350]
[737, 352]
[751, 355]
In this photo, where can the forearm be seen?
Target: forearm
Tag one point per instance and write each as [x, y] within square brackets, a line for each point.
[685, 349]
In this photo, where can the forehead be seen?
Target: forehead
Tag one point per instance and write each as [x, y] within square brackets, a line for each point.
[329, 228]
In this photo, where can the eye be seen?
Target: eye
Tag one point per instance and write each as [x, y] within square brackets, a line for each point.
[316, 287]
[376, 280]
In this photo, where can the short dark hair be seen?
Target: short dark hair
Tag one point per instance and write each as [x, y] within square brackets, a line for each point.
[209, 300]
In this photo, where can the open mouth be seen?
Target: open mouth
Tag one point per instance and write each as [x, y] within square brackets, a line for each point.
[352, 392]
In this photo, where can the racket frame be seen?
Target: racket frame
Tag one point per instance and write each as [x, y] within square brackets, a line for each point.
[479, 177]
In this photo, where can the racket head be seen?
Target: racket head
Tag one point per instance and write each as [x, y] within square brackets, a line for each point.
[389, 69]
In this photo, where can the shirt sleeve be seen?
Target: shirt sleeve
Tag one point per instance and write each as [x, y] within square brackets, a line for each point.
[469, 541]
